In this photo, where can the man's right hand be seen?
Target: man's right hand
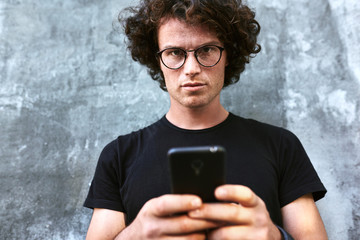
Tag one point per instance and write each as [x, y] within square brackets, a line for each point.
[166, 217]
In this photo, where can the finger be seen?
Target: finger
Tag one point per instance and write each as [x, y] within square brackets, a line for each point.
[179, 225]
[231, 232]
[224, 212]
[172, 204]
[185, 224]
[193, 236]
[236, 193]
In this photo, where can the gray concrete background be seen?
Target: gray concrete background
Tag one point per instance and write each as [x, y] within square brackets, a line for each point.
[68, 87]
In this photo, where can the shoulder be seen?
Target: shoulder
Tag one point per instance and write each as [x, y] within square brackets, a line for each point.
[140, 134]
[261, 129]
[124, 149]
[130, 141]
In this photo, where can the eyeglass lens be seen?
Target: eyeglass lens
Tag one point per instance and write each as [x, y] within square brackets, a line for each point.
[207, 56]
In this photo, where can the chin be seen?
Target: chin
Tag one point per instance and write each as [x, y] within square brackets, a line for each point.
[199, 101]
[195, 104]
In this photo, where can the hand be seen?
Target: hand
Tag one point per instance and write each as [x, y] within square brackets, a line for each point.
[166, 217]
[245, 218]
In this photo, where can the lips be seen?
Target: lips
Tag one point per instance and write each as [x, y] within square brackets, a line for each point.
[193, 84]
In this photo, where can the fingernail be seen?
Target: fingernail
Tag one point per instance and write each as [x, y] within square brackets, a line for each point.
[221, 192]
[195, 213]
[196, 202]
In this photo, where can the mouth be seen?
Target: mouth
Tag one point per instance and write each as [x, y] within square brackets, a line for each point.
[193, 85]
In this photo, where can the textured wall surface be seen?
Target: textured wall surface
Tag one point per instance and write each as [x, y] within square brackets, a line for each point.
[68, 87]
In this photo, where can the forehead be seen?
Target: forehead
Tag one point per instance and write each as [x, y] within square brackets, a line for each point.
[177, 33]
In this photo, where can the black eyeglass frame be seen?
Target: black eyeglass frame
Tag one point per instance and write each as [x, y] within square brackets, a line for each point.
[159, 54]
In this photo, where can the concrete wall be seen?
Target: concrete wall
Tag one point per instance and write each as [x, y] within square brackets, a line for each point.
[68, 87]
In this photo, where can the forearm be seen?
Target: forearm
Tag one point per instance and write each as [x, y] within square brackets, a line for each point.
[126, 233]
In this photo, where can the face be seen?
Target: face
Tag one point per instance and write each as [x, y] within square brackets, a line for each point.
[192, 85]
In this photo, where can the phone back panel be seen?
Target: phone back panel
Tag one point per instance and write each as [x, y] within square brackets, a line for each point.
[197, 170]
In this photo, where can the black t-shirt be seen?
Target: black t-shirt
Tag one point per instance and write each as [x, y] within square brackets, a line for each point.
[270, 160]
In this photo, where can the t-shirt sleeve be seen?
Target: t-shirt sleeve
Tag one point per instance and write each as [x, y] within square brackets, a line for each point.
[298, 176]
[104, 191]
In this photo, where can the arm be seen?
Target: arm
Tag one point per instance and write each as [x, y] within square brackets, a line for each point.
[164, 217]
[250, 218]
[302, 219]
[105, 224]
[159, 218]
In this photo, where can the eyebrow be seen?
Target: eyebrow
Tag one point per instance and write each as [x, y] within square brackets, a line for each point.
[217, 43]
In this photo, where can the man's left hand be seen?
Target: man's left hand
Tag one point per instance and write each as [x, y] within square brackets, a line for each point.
[244, 214]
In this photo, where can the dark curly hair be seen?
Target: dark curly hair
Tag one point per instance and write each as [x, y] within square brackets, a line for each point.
[233, 22]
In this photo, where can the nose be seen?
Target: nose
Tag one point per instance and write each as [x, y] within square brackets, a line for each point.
[191, 65]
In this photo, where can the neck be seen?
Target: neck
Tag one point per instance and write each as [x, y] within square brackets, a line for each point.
[197, 118]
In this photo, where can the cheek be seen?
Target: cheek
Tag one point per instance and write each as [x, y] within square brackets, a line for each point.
[164, 72]
[170, 76]
[220, 72]
[167, 77]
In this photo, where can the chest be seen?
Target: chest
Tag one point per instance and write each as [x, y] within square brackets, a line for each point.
[148, 175]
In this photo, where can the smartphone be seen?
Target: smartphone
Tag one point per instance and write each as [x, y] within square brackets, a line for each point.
[197, 170]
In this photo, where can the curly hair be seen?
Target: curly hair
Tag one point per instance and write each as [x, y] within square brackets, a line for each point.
[233, 22]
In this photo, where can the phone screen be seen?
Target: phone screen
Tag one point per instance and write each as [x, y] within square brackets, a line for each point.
[197, 170]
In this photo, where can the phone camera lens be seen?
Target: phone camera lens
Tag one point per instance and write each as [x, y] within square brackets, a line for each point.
[213, 149]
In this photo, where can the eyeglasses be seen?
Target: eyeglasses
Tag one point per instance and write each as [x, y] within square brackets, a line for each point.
[207, 56]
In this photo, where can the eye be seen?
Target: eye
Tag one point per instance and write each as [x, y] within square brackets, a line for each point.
[174, 52]
[206, 49]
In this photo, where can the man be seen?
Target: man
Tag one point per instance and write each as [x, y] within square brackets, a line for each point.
[194, 49]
